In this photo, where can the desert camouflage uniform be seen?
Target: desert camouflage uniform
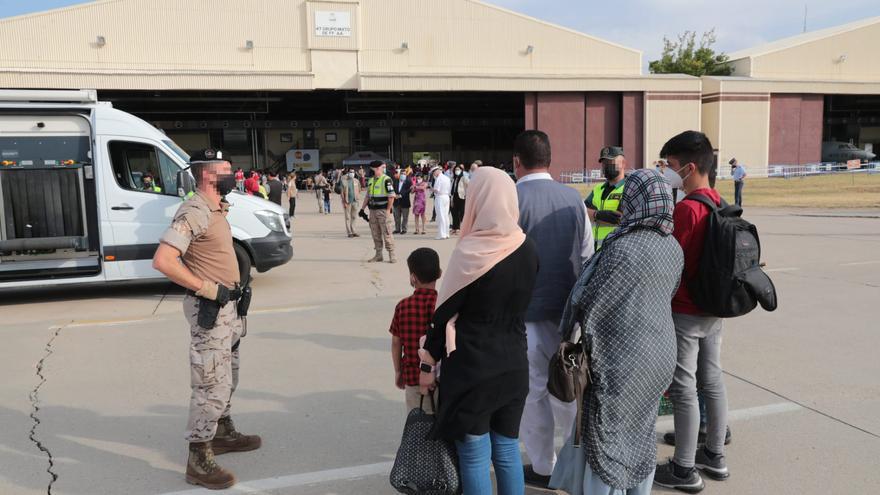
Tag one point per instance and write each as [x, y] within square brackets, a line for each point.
[203, 236]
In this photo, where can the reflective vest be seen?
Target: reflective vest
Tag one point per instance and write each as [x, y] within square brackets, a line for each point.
[154, 188]
[610, 203]
[377, 190]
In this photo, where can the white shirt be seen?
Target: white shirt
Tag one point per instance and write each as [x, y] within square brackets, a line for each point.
[587, 245]
[442, 186]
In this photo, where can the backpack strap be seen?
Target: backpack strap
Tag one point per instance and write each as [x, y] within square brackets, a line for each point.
[701, 198]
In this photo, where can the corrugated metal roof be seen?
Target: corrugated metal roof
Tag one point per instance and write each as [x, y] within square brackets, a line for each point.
[801, 39]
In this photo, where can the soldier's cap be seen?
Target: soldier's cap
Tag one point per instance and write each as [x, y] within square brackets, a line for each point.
[610, 152]
[732, 161]
[207, 155]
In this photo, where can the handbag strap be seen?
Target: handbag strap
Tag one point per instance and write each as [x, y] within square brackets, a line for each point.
[422, 402]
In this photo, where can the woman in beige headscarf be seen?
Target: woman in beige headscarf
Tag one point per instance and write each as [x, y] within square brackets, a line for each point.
[479, 336]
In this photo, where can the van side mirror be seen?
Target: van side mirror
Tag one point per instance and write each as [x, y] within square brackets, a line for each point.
[186, 185]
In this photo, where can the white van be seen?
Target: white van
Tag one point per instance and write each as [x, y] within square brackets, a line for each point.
[73, 205]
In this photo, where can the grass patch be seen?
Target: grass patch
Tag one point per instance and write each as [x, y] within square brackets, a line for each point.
[824, 191]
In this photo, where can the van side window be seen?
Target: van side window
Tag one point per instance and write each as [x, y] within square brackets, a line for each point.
[141, 167]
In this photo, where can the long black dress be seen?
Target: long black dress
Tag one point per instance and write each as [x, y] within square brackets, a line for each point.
[457, 205]
[484, 383]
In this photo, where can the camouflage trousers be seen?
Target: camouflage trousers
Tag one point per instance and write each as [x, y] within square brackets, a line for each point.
[213, 368]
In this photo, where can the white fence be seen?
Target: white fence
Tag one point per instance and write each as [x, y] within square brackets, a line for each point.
[779, 171]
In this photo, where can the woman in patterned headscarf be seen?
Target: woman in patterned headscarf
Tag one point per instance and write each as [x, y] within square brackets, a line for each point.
[623, 304]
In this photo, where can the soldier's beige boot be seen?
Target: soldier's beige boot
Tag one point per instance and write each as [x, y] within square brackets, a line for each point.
[202, 470]
[391, 257]
[377, 258]
[228, 439]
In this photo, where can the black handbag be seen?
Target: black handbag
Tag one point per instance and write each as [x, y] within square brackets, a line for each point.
[424, 466]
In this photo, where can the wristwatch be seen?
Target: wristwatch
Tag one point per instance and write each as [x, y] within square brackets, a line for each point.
[426, 368]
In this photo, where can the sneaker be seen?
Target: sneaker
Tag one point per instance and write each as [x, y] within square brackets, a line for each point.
[669, 438]
[534, 479]
[714, 468]
[665, 476]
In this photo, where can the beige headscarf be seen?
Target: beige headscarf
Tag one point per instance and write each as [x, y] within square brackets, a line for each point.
[490, 232]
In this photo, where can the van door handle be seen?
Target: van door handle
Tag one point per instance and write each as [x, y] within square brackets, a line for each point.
[123, 206]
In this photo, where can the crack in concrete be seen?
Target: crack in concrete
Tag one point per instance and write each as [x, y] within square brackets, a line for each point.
[35, 403]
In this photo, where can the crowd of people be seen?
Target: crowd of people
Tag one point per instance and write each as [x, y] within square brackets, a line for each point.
[535, 266]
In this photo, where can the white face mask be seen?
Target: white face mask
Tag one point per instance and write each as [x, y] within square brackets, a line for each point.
[458, 172]
[351, 174]
[682, 179]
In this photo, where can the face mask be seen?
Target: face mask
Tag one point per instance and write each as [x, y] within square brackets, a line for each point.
[674, 179]
[351, 174]
[686, 176]
[609, 170]
[458, 172]
[225, 183]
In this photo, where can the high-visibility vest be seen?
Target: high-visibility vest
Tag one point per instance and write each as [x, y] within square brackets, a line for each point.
[154, 188]
[377, 189]
[610, 203]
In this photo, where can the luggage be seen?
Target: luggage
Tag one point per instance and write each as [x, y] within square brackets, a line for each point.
[424, 466]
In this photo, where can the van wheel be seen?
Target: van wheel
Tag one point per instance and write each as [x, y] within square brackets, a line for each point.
[244, 264]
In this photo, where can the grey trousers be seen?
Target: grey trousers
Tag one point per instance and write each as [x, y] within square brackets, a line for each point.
[401, 218]
[698, 367]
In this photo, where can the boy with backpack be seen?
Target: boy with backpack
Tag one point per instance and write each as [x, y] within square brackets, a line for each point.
[410, 323]
[698, 334]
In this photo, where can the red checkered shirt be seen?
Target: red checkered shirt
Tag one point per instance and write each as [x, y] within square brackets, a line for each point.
[411, 319]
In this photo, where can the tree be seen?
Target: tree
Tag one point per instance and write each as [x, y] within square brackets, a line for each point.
[686, 57]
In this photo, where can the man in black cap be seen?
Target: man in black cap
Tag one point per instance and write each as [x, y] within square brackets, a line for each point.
[197, 253]
[603, 204]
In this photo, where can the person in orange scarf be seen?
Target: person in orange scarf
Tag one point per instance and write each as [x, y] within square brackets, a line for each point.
[478, 336]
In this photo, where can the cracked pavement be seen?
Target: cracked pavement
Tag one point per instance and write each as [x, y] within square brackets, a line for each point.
[316, 379]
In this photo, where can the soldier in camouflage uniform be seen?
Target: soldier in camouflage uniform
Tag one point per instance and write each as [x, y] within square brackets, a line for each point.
[201, 237]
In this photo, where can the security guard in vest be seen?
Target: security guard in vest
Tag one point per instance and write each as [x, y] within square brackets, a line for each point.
[380, 200]
[150, 184]
[196, 252]
[603, 203]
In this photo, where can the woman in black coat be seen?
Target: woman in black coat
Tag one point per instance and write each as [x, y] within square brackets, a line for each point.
[478, 337]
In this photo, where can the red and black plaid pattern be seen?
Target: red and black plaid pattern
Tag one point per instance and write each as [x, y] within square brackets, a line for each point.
[411, 319]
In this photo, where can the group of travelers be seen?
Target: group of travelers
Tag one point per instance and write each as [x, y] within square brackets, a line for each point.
[535, 266]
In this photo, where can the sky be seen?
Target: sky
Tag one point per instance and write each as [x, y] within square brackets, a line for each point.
[642, 24]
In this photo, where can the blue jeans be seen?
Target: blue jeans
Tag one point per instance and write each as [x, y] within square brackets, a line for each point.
[475, 453]
[327, 205]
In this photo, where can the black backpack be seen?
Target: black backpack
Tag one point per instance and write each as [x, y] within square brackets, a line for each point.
[730, 281]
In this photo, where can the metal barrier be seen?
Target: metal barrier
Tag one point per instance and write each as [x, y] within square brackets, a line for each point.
[773, 171]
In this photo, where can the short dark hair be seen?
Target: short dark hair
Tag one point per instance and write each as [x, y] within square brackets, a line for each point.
[533, 149]
[376, 163]
[691, 147]
[424, 263]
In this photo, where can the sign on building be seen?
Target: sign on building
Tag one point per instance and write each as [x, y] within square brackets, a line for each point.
[303, 161]
[333, 24]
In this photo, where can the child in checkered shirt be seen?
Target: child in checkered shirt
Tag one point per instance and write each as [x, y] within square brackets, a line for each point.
[410, 322]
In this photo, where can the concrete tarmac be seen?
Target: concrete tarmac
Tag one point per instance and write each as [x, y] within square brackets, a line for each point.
[317, 381]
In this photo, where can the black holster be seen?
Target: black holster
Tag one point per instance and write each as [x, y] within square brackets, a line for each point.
[245, 301]
[208, 312]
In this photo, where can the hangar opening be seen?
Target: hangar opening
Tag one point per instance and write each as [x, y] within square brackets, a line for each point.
[851, 129]
[257, 129]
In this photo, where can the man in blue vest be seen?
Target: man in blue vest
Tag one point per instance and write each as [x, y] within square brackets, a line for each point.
[604, 202]
[553, 216]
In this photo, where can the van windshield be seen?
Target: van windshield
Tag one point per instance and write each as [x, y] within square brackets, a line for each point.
[176, 149]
